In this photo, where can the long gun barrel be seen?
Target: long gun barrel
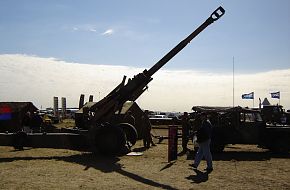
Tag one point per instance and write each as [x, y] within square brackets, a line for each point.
[214, 16]
[114, 101]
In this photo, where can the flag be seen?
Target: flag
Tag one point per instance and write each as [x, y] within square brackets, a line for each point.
[275, 95]
[248, 96]
[5, 113]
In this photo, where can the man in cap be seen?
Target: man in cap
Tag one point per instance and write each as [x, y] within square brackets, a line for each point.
[203, 139]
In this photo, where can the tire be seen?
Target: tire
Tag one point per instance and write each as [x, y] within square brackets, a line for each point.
[279, 146]
[217, 148]
[217, 145]
[110, 140]
[277, 142]
[130, 132]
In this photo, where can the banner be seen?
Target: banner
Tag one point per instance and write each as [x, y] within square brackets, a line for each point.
[248, 96]
[5, 113]
[275, 95]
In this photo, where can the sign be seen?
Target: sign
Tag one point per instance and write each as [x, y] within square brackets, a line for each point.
[5, 113]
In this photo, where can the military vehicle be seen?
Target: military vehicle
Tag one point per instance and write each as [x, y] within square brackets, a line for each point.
[275, 114]
[101, 133]
[237, 125]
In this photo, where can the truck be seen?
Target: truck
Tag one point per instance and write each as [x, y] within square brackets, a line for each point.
[275, 114]
[100, 131]
[238, 125]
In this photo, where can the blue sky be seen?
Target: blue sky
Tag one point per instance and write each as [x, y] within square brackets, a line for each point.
[43, 40]
[138, 33]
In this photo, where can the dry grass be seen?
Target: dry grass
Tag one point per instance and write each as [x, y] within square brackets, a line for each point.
[239, 167]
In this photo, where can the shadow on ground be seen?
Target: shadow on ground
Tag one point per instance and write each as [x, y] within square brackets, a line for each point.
[200, 177]
[102, 163]
[140, 149]
[168, 165]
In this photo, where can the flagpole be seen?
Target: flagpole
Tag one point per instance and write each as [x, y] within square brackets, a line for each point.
[233, 81]
[253, 99]
[279, 97]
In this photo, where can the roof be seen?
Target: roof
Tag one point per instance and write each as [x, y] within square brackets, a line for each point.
[18, 106]
[209, 108]
[219, 109]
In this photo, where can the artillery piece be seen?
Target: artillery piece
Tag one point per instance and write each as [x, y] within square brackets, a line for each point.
[102, 111]
[100, 132]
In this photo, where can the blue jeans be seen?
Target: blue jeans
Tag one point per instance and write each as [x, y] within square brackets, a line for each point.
[204, 151]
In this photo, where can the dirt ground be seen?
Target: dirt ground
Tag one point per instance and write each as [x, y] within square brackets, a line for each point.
[239, 167]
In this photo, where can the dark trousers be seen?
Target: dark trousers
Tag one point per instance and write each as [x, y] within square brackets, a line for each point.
[147, 139]
[185, 139]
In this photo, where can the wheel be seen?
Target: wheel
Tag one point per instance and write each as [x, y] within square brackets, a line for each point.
[130, 131]
[217, 145]
[279, 146]
[277, 142]
[110, 140]
[217, 148]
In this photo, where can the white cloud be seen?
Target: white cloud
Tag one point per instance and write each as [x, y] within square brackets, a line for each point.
[92, 30]
[85, 28]
[108, 32]
[35, 79]
[75, 28]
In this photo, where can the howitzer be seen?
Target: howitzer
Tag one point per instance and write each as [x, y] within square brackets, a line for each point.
[138, 84]
[102, 112]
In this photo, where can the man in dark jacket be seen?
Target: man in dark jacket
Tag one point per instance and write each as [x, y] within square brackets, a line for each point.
[203, 139]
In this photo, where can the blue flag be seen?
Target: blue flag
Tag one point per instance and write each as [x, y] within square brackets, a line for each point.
[275, 95]
[248, 96]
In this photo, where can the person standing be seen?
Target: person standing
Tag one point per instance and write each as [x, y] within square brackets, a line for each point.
[185, 131]
[26, 122]
[203, 139]
[146, 130]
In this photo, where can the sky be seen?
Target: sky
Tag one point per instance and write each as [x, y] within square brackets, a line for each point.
[254, 35]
